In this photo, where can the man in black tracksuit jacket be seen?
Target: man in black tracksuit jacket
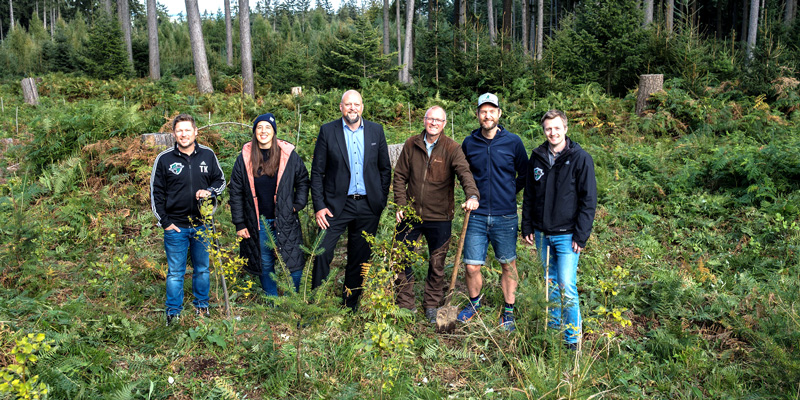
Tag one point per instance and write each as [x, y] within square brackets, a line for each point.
[181, 177]
[558, 210]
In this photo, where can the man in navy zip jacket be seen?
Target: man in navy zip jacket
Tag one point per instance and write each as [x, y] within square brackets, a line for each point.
[181, 177]
[558, 212]
[498, 162]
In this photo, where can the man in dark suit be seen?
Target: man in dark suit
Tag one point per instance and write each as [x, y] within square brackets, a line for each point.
[350, 177]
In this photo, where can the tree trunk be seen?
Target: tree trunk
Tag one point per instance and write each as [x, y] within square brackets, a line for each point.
[490, 19]
[431, 12]
[152, 40]
[386, 27]
[198, 48]
[539, 29]
[436, 45]
[670, 16]
[44, 15]
[525, 7]
[532, 29]
[788, 12]
[408, 57]
[228, 33]
[648, 84]
[248, 87]
[752, 30]
[745, 18]
[124, 14]
[719, 21]
[648, 12]
[397, 23]
[29, 92]
[506, 39]
[11, 13]
[108, 6]
[462, 13]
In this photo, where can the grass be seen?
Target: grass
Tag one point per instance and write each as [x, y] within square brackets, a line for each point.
[703, 224]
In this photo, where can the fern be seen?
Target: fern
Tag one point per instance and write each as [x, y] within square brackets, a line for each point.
[125, 392]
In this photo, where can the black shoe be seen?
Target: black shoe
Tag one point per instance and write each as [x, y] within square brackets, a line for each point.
[571, 346]
[430, 315]
[173, 319]
[202, 311]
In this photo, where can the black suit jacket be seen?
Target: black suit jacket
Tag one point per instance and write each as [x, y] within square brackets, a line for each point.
[330, 168]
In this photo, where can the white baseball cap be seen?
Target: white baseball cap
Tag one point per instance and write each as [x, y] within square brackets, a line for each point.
[488, 98]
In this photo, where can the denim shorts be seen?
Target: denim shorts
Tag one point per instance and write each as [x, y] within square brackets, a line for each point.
[500, 230]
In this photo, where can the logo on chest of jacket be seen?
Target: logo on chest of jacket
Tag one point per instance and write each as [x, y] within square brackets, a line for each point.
[203, 167]
[538, 173]
[176, 168]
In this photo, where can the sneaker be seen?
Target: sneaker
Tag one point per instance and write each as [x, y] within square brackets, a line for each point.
[507, 322]
[430, 315]
[468, 312]
[202, 311]
[173, 319]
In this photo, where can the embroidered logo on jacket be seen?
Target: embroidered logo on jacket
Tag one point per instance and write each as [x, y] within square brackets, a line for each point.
[176, 168]
[203, 167]
[538, 173]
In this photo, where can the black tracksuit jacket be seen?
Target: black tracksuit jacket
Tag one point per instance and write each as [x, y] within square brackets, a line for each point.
[560, 199]
[175, 179]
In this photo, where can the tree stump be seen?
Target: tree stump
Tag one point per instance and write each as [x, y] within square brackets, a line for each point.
[29, 91]
[648, 84]
[394, 153]
[158, 139]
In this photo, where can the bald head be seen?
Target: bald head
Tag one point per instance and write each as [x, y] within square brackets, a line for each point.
[351, 108]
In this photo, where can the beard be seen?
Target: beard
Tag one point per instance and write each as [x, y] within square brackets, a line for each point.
[487, 126]
[351, 121]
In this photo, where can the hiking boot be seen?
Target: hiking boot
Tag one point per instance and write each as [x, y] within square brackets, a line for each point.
[430, 315]
[507, 322]
[202, 312]
[571, 346]
[468, 312]
[173, 319]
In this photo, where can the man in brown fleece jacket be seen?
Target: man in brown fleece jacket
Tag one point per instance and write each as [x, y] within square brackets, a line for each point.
[425, 178]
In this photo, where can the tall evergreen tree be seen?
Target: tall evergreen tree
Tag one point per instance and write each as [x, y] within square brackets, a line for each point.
[349, 55]
[105, 56]
[58, 54]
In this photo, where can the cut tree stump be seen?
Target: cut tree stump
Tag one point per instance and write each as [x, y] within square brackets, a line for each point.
[29, 91]
[394, 153]
[158, 139]
[648, 84]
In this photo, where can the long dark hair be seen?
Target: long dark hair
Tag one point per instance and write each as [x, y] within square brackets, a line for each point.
[268, 166]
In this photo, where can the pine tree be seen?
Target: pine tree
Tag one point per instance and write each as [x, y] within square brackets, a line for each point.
[105, 55]
[349, 56]
[58, 54]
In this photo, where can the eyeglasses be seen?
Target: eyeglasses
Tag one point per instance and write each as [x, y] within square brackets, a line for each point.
[435, 120]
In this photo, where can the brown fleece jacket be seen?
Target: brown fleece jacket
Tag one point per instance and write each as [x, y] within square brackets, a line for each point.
[428, 183]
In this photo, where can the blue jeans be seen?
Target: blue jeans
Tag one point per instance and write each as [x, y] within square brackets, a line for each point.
[564, 271]
[268, 262]
[176, 245]
[500, 230]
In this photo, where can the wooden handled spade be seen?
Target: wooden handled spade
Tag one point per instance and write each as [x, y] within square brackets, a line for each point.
[446, 315]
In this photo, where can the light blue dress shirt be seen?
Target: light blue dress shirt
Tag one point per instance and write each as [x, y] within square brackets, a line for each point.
[429, 146]
[355, 153]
